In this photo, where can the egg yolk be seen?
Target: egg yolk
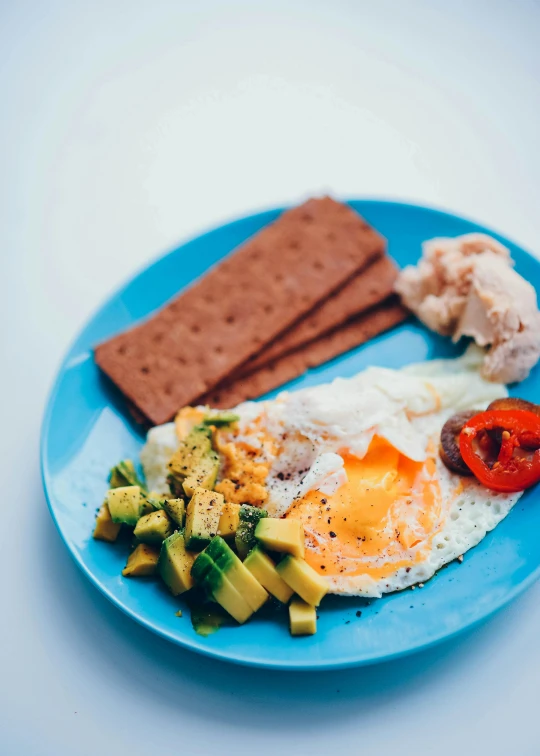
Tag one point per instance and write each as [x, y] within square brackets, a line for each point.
[381, 519]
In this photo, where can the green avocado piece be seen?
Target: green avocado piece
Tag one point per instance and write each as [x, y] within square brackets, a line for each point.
[223, 591]
[203, 475]
[242, 579]
[194, 464]
[175, 564]
[125, 504]
[218, 557]
[153, 528]
[202, 564]
[176, 509]
[244, 539]
[142, 561]
[263, 568]
[106, 529]
[202, 518]
[197, 444]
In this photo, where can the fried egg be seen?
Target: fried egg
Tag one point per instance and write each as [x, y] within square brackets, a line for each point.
[356, 460]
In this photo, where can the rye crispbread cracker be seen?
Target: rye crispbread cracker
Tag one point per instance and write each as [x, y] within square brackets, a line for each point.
[369, 287]
[238, 307]
[284, 369]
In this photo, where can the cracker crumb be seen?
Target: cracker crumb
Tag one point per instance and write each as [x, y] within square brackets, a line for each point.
[460, 558]
[178, 613]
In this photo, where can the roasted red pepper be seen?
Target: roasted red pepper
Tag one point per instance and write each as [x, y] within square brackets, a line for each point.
[517, 466]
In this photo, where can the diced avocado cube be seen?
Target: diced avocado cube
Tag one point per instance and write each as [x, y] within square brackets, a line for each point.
[176, 509]
[242, 579]
[201, 566]
[143, 561]
[125, 504]
[196, 445]
[244, 539]
[175, 564]
[202, 518]
[229, 520]
[303, 579]
[302, 617]
[154, 527]
[264, 570]
[224, 592]
[219, 419]
[106, 529]
[195, 463]
[281, 535]
[203, 475]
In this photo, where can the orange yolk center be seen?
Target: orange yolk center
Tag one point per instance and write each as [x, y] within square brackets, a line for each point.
[381, 519]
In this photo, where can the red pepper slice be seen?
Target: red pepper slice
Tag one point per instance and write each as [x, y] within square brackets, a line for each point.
[510, 472]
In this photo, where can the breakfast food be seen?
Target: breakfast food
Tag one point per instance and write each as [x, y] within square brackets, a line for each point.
[467, 287]
[370, 287]
[239, 306]
[357, 331]
[359, 487]
[338, 488]
[501, 447]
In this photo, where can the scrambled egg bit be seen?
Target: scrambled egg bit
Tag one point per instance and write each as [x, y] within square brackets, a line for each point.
[242, 477]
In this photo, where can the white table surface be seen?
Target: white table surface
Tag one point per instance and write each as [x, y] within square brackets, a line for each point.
[127, 126]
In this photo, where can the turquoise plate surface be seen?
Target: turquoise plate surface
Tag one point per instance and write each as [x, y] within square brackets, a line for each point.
[86, 430]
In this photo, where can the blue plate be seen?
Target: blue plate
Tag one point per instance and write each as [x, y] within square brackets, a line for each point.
[86, 430]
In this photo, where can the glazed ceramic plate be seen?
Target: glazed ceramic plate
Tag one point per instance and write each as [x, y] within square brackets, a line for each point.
[86, 430]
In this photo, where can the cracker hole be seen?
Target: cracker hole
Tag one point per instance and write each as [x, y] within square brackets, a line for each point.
[145, 370]
[268, 308]
[158, 338]
[229, 319]
[331, 236]
[181, 360]
[278, 277]
[294, 244]
[195, 328]
[318, 265]
[122, 349]
[218, 349]
[307, 217]
[167, 389]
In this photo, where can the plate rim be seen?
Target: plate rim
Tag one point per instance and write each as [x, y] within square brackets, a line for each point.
[194, 645]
